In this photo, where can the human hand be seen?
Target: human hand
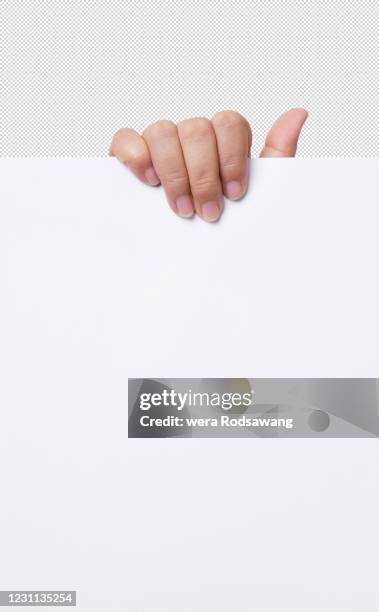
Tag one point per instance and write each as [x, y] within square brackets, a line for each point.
[199, 161]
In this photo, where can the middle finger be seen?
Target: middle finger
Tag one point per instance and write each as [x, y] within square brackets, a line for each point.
[199, 147]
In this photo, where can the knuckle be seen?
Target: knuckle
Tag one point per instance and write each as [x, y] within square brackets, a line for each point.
[128, 148]
[160, 128]
[121, 137]
[134, 156]
[232, 161]
[121, 134]
[205, 185]
[196, 127]
[174, 177]
[229, 119]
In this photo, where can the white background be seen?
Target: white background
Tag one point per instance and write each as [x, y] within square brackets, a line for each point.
[72, 72]
[92, 293]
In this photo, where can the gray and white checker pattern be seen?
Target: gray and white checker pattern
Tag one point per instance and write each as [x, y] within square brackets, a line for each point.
[73, 71]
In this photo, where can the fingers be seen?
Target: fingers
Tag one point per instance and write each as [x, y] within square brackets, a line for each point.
[167, 156]
[199, 146]
[131, 149]
[283, 137]
[199, 161]
[233, 135]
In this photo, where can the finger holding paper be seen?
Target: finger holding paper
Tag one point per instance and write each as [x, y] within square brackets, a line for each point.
[199, 161]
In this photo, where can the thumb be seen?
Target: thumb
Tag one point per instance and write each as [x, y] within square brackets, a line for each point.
[282, 139]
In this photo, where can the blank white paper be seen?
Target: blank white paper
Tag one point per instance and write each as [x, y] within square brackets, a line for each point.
[101, 282]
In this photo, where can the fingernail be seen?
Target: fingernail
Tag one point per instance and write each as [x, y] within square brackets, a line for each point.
[210, 211]
[233, 190]
[152, 177]
[184, 206]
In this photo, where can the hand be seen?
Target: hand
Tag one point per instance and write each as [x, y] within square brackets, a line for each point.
[199, 161]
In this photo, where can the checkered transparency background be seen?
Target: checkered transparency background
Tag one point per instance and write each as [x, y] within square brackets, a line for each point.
[74, 71]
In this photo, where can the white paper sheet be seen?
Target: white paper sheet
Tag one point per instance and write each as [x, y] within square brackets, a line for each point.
[101, 282]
